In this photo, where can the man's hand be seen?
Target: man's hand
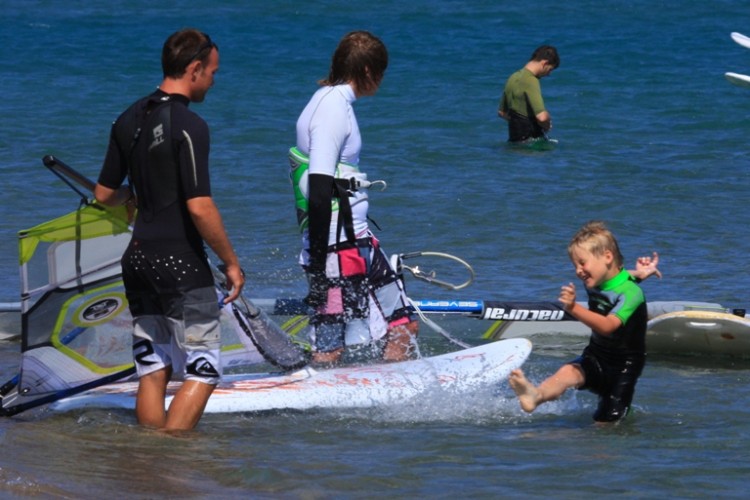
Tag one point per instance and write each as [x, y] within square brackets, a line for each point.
[235, 282]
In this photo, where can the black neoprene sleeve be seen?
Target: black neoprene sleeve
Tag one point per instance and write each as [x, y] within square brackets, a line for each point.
[319, 214]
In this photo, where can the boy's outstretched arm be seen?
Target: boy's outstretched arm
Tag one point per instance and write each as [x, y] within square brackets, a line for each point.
[645, 267]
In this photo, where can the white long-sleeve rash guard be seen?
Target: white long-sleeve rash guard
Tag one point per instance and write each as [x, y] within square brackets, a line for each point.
[328, 133]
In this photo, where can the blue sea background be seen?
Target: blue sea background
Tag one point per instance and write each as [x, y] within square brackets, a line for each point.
[651, 138]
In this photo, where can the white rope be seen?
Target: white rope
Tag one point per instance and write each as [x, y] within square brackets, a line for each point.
[435, 327]
[429, 277]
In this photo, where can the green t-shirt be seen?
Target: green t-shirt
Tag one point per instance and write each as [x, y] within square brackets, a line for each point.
[522, 90]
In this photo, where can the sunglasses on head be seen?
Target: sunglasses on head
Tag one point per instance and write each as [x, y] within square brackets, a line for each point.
[208, 44]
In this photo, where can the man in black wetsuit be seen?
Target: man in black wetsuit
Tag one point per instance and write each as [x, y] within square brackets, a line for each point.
[162, 148]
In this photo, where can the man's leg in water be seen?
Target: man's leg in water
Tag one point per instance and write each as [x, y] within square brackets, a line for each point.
[531, 396]
[187, 405]
[149, 402]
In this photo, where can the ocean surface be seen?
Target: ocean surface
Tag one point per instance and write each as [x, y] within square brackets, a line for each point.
[651, 138]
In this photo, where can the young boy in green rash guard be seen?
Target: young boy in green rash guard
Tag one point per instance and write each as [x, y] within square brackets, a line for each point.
[614, 358]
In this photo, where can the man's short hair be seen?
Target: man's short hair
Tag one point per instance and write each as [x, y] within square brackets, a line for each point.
[546, 53]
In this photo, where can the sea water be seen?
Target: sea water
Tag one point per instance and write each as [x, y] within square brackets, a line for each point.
[651, 138]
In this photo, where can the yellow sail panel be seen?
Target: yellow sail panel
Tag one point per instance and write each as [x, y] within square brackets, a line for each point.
[91, 221]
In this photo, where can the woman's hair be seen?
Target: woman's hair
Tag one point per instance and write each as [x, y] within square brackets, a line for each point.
[597, 239]
[361, 58]
[182, 48]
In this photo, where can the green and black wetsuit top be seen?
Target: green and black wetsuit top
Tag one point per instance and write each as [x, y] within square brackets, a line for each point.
[622, 297]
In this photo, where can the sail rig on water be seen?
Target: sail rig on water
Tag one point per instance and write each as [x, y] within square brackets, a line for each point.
[76, 329]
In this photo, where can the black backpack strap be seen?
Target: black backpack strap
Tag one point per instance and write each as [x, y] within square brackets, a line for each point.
[342, 188]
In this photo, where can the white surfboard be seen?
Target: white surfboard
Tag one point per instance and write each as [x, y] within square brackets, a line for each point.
[699, 332]
[10, 320]
[741, 39]
[347, 387]
[738, 79]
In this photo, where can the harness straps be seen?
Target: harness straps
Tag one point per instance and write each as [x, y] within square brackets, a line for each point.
[146, 164]
[347, 180]
[342, 188]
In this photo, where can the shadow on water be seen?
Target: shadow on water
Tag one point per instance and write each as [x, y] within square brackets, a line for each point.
[700, 361]
[532, 146]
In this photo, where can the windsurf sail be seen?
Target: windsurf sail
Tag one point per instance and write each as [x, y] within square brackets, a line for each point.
[76, 328]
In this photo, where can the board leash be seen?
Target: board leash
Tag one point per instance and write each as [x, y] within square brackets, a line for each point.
[437, 328]
[397, 262]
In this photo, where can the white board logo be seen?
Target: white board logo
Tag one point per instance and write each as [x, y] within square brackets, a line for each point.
[100, 309]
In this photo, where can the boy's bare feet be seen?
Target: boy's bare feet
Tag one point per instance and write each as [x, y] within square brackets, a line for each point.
[528, 394]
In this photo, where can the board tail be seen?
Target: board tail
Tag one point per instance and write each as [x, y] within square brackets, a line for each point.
[76, 328]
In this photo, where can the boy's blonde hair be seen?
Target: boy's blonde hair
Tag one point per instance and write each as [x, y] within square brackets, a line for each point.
[597, 239]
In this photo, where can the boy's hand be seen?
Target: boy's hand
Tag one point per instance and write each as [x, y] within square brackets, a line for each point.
[647, 266]
[567, 296]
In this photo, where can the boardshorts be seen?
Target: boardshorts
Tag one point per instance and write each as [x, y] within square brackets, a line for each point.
[175, 311]
[614, 383]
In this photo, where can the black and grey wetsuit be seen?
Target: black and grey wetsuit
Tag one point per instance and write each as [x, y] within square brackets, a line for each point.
[163, 148]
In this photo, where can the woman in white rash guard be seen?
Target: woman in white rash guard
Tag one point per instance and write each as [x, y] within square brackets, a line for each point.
[356, 294]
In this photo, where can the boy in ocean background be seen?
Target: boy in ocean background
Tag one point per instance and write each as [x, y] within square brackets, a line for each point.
[522, 105]
[614, 358]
